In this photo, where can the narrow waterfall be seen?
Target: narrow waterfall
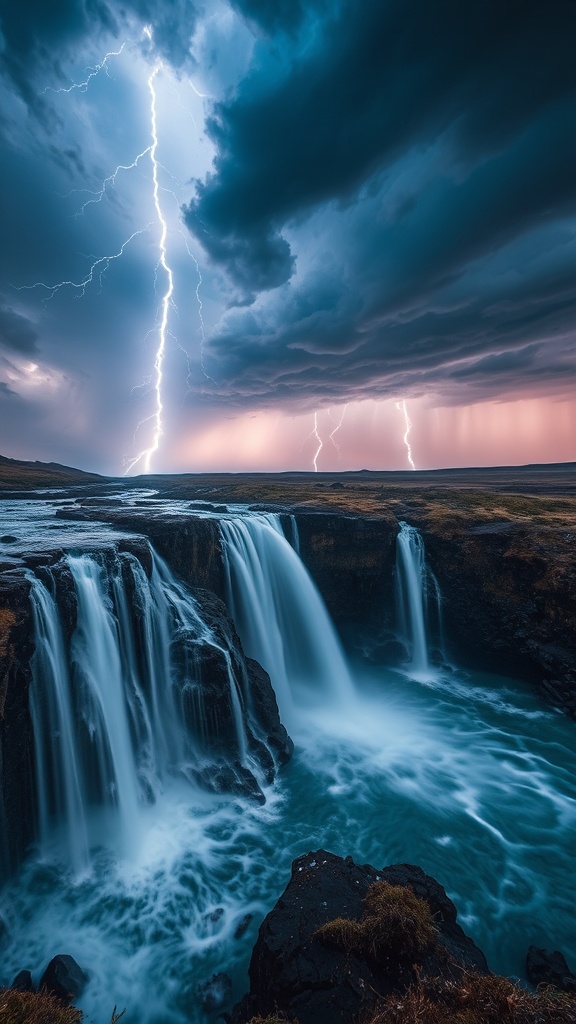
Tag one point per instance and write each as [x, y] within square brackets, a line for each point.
[411, 580]
[280, 616]
[117, 706]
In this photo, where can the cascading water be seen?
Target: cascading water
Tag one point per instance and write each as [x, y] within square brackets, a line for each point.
[280, 616]
[117, 710]
[393, 772]
[412, 596]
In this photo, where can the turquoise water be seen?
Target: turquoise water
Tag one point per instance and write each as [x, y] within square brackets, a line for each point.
[468, 776]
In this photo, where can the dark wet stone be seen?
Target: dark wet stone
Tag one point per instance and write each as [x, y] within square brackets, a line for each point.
[216, 915]
[64, 978]
[242, 926]
[216, 992]
[8, 539]
[544, 968]
[23, 982]
[294, 972]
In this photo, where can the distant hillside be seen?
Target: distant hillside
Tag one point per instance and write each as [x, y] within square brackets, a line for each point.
[16, 475]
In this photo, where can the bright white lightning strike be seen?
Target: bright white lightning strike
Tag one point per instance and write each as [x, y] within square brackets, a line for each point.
[401, 406]
[92, 73]
[320, 443]
[98, 194]
[337, 428]
[97, 270]
[101, 264]
[146, 454]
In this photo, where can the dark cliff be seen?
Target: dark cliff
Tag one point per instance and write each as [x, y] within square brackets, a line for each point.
[16, 769]
[506, 566]
[294, 970]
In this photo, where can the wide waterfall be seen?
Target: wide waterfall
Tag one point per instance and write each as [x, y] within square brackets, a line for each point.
[157, 857]
[279, 614]
[117, 708]
[412, 577]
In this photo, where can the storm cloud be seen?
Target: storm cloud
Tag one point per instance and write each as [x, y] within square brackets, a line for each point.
[417, 141]
[17, 333]
[365, 200]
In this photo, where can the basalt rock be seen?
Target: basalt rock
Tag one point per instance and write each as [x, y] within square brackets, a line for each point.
[509, 601]
[16, 775]
[508, 588]
[296, 973]
[23, 982]
[215, 993]
[190, 544]
[544, 968]
[64, 978]
[508, 585]
[264, 731]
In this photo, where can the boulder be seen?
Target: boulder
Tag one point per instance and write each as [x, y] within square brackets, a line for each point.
[296, 972]
[243, 926]
[544, 968]
[23, 982]
[215, 993]
[64, 978]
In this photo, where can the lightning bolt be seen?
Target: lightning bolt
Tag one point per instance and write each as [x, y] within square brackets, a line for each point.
[320, 443]
[92, 73]
[337, 428]
[98, 194]
[401, 406]
[200, 311]
[97, 270]
[156, 418]
[100, 264]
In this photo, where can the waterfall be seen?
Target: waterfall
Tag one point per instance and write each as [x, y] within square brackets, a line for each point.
[411, 579]
[279, 614]
[117, 706]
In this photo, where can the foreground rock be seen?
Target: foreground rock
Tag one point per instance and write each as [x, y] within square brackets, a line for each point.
[295, 971]
[544, 968]
[64, 978]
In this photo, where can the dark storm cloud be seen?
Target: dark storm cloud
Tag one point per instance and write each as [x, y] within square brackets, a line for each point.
[38, 35]
[483, 96]
[17, 332]
[314, 350]
[274, 16]
[388, 75]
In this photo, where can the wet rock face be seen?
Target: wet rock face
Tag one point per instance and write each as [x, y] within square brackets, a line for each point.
[509, 602]
[351, 560]
[544, 968]
[294, 972]
[16, 775]
[190, 545]
[215, 993]
[508, 591]
[64, 978]
[508, 586]
[214, 703]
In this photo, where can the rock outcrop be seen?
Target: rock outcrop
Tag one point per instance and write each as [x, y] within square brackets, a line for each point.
[294, 971]
[544, 968]
[505, 565]
[212, 703]
[16, 773]
[64, 978]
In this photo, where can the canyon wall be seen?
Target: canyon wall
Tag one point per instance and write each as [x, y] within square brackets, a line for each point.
[508, 602]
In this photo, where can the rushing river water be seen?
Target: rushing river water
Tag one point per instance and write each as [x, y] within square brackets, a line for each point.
[465, 774]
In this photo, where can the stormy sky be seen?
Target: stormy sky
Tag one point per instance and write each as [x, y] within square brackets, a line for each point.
[349, 244]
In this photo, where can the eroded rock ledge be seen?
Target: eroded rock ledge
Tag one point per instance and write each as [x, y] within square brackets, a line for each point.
[294, 972]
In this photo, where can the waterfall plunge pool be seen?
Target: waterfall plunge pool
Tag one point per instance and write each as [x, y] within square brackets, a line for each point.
[466, 774]
[471, 778]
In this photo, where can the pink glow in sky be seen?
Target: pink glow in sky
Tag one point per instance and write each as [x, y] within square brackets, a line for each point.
[496, 433]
